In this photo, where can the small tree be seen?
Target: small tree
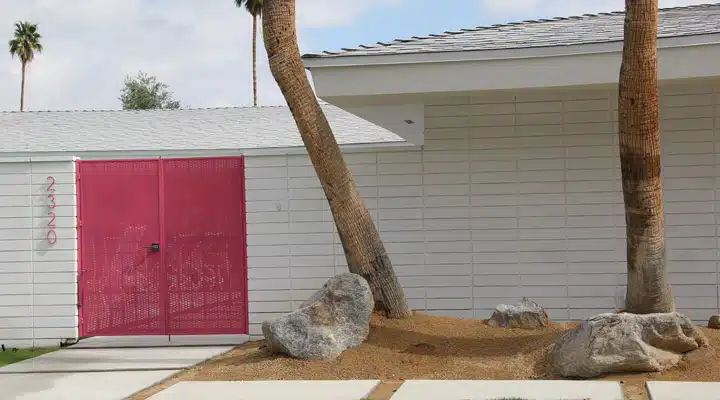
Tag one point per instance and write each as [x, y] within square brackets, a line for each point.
[145, 92]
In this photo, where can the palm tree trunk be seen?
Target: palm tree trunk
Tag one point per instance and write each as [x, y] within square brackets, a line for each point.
[22, 88]
[648, 290]
[254, 60]
[364, 251]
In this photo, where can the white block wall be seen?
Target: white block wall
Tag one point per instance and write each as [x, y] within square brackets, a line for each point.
[38, 293]
[512, 195]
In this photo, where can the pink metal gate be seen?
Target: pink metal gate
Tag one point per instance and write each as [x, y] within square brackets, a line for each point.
[162, 247]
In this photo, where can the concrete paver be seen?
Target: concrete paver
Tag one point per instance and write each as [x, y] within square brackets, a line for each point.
[89, 360]
[486, 390]
[116, 385]
[268, 390]
[99, 342]
[665, 390]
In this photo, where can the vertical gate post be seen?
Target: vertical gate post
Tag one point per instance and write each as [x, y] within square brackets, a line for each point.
[165, 287]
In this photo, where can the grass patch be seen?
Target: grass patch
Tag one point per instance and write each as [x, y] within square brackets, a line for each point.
[12, 355]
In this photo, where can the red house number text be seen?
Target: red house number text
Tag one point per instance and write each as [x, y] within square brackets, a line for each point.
[51, 234]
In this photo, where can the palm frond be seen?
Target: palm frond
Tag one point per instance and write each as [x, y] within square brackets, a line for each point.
[14, 46]
[25, 42]
[254, 7]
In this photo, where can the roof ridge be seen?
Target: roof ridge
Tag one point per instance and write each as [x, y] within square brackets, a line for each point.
[461, 31]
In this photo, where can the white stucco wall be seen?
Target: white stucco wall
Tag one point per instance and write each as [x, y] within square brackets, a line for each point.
[512, 195]
[38, 290]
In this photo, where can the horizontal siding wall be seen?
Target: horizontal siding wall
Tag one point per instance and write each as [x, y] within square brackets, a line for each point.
[38, 293]
[512, 195]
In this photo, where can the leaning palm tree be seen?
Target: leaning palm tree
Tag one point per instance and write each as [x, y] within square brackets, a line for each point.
[364, 251]
[254, 7]
[648, 290]
[24, 44]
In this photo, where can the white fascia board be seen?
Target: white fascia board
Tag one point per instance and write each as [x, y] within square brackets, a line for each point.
[121, 154]
[404, 120]
[15, 158]
[507, 74]
[500, 54]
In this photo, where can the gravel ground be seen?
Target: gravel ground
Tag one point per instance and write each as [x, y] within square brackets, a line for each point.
[430, 347]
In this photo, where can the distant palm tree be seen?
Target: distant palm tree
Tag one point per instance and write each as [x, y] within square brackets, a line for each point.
[24, 44]
[254, 7]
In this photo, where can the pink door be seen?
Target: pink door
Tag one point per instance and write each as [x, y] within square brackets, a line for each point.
[162, 247]
[204, 231]
[120, 283]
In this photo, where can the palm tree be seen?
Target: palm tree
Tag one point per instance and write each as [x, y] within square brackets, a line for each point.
[254, 7]
[364, 251]
[24, 44]
[648, 290]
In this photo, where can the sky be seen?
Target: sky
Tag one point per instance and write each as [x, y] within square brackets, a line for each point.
[202, 49]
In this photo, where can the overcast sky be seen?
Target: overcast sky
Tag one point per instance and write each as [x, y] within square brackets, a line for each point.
[202, 48]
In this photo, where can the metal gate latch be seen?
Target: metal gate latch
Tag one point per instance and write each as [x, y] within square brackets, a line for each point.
[153, 247]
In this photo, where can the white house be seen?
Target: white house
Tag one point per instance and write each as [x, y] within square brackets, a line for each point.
[489, 161]
[515, 187]
[85, 197]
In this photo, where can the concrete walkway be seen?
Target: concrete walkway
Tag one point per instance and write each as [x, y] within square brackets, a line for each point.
[98, 373]
[665, 390]
[116, 368]
[489, 390]
[103, 360]
[432, 390]
[116, 385]
[409, 390]
[268, 390]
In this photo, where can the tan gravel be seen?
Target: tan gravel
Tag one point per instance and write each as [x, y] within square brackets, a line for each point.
[429, 347]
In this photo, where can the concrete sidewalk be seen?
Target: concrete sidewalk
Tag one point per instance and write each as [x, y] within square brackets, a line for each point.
[268, 390]
[104, 360]
[669, 390]
[409, 390]
[97, 374]
[490, 390]
[116, 385]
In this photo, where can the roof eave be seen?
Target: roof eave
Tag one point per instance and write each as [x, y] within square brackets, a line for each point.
[24, 156]
[350, 60]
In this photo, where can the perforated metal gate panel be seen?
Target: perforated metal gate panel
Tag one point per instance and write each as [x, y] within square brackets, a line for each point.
[205, 242]
[162, 247]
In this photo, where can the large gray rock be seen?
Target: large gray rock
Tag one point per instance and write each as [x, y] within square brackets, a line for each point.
[608, 343]
[333, 319]
[526, 315]
[714, 322]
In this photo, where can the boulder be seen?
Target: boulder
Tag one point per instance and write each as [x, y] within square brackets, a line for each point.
[608, 343]
[526, 315]
[334, 318]
[714, 322]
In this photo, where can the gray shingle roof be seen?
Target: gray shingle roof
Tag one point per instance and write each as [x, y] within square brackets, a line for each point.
[562, 31]
[159, 130]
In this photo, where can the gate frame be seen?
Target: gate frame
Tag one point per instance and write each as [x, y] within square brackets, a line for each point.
[161, 240]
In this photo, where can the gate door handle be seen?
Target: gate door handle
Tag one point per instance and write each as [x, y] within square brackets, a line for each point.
[153, 247]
